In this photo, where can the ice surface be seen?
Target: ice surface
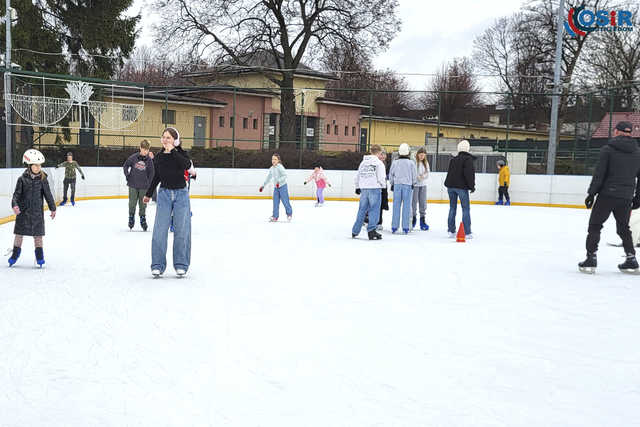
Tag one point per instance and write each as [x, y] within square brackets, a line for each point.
[296, 324]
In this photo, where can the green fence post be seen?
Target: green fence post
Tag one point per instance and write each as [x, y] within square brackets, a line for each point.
[233, 132]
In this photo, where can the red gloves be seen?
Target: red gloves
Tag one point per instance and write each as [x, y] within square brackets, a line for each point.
[277, 185]
[261, 188]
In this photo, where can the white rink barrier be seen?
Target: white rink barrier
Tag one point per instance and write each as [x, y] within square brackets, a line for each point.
[106, 182]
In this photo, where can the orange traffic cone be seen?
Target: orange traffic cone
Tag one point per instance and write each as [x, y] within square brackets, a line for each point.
[461, 236]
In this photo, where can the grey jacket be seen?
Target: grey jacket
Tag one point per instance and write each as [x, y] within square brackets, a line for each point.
[403, 171]
[139, 171]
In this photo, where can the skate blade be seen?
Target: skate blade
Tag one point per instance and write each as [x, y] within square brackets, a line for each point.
[587, 270]
[634, 271]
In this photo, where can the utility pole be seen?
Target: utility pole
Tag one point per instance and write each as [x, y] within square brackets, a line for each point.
[555, 97]
[7, 87]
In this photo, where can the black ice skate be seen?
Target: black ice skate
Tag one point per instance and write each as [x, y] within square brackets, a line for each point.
[143, 222]
[374, 235]
[131, 223]
[630, 265]
[589, 265]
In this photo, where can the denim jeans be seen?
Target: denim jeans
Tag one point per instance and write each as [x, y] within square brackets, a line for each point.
[402, 198]
[454, 193]
[170, 202]
[281, 193]
[370, 199]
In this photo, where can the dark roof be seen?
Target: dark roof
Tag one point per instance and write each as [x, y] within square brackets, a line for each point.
[603, 128]
[224, 88]
[159, 95]
[260, 61]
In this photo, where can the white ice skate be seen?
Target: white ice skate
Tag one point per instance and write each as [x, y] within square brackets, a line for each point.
[155, 272]
[289, 218]
[180, 272]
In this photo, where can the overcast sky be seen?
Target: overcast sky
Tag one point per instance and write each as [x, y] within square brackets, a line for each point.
[433, 31]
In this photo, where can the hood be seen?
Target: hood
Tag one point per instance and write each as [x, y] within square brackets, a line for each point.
[625, 144]
[464, 153]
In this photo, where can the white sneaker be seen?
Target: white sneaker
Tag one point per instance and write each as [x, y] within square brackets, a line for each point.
[289, 218]
[155, 272]
[452, 235]
[180, 272]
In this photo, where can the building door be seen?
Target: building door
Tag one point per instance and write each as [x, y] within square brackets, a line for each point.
[199, 131]
[363, 140]
[87, 131]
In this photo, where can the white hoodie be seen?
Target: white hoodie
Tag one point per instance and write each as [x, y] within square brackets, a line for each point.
[371, 173]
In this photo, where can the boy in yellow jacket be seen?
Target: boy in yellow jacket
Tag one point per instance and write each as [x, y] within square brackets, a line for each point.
[504, 179]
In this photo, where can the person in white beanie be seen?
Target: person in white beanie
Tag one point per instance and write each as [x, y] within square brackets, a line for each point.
[460, 180]
[420, 190]
[402, 177]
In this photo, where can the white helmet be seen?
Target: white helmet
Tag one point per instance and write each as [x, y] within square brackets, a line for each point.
[33, 157]
[404, 149]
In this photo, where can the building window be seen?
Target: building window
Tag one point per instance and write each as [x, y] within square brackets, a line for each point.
[221, 121]
[346, 131]
[232, 122]
[328, 129]
[245, 123]
[169, 117]
[353, 131]
[335, 130]
[255, 123]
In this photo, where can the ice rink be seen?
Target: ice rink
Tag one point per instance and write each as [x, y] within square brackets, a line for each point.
[296, 324]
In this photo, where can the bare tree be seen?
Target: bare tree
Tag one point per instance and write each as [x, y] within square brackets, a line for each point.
[615, 63]
[360, 82]
[452, 88]
[149, 66]
[286, 30]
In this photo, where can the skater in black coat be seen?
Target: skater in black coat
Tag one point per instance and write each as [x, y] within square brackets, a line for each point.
[27, 203]
[616, 183]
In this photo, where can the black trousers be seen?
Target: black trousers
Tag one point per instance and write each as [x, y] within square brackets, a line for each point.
[602, 208]
[503, 192]
[69, 182]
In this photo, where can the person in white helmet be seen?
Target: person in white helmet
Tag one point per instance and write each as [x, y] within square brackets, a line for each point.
[27, 204]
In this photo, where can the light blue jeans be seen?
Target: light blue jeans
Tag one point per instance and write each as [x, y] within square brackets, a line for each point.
[454, 193]
[281, 193]
[176, 203]
[370, 199]
[402, 198]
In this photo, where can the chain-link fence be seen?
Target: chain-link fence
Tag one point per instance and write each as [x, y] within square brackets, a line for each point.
[240, 127]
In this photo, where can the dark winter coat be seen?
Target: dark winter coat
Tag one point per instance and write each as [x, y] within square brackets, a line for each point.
[169, 170]
[461, 173]
[139, 171]
[618, 171]
[28, 196]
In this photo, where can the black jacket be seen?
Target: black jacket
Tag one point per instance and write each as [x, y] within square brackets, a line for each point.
[28, 197]
[618, 171]
[169, 170]
[139, 171]
[461, 173]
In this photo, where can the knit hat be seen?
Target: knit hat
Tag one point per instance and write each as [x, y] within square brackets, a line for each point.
[70, 154]
[464, 146]
[624, 127]
[501, 162]
[404, 149]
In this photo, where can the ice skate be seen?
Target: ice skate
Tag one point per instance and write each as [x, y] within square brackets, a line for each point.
[630, 266]
[374, 235]
[15, 254]
[589, 265]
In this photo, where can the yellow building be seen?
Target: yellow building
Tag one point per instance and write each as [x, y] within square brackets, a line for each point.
[189, 115]
[391, 131]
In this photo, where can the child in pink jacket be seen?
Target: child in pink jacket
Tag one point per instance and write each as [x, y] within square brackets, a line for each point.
[321, 183]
